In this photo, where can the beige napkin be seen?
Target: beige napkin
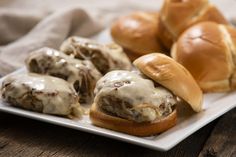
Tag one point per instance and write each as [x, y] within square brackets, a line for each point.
[26, 25]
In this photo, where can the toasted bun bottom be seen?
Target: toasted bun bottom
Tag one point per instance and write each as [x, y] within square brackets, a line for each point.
[104, 120]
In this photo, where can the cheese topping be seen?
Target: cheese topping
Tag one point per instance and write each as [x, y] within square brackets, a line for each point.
[104, 57]
[81, 73]
[41, 93]
[131, 96]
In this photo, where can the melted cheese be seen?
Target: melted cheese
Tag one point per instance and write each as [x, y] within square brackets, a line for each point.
[145, 100]
[52, 61]
[112, 53]
[41, 93]
[55, 63]
[119, 60]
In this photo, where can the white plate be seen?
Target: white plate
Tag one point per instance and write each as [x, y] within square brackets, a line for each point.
[214, 106]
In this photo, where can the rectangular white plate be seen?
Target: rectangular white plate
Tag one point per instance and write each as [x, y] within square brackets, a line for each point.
[214, 106]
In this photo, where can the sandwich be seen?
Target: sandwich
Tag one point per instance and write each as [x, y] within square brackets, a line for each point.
[82, 74]
[105, 57]
[41, 93]
[143, 102]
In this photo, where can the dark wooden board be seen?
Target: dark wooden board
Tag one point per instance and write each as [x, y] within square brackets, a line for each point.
[24, 137]
[222, 141]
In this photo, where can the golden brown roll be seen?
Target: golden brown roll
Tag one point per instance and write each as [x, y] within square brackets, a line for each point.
[143, 102]
[104, 120]
[165, 71]
[137, 33]
[208, 51]
[177, 15]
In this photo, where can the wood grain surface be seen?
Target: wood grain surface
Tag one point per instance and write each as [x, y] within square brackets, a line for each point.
[222, 141]
[24, 137]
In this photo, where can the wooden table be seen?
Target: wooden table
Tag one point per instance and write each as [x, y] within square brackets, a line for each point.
[25, 137]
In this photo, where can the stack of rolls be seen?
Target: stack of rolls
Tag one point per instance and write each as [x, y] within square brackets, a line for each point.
[193, 32]
[178, 15]
[142, 32]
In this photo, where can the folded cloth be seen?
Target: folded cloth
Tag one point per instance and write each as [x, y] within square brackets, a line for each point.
[26, 25]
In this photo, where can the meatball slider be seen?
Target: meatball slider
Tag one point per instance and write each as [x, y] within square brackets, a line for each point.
[82, 74]
[143, 103]
[41, 93]
[105, 58]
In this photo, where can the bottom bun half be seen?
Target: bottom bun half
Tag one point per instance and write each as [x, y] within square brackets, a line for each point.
[104, 120]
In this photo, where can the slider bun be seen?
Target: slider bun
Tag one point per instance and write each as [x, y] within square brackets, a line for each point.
[137, 33]
[170, 74]
[177, 15]
[208, 51]
[104, 120]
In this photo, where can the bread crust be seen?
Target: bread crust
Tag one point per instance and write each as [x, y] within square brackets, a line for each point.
[104, 120]
[172, 75]
[137, 32]
[208, 51]
[176, 16]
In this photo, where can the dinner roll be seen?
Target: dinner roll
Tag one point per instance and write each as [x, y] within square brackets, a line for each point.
[137, 33]
[170, 74]
[208, 51]
[177, 15]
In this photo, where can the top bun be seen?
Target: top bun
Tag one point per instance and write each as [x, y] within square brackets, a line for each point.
[137, 33]
[177, 15]
[170, 74]
[208, 51]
